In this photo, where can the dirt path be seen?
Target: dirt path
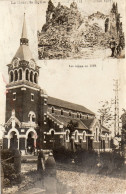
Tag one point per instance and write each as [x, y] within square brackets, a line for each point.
[91, 182]
[70, 179]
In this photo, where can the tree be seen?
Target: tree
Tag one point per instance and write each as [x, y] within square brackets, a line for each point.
[106, 113]
[72, 126]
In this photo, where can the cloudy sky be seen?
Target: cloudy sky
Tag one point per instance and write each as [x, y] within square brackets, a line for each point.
[86, 86]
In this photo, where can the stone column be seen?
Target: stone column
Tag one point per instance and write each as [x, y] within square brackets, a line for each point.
[35, 142]
[18, 143]
[87, 142]
[8, 143]
[26, 145]
[17, 161]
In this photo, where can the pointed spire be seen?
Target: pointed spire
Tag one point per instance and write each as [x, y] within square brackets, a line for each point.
[24, 39]
[24, 31]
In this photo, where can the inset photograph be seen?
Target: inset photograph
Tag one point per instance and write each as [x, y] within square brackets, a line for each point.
[81, 29]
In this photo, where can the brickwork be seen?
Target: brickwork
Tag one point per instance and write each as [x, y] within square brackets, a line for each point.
[22, 143]
[5, 143]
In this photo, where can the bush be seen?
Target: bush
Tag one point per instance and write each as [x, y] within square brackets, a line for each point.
[88, 158]
[63, 155]
[112, 158]
[8, 170]
[5, 154]
[10, 175]
[85, 157]
[6, 182]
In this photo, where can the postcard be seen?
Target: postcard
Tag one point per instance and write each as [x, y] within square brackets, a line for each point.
[63, 105]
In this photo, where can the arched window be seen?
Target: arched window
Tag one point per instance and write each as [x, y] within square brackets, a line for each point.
[53, 110]
[20, 74]
[84, 136]
[67, 136]
[80, 116]
[77, 115]
[62, 112]
[31, 76]
[11, 76]
[35, 78]
[87, 116]
[31, 116]
[16, 75]
[27, 75]
[52, 134]
[76, 136]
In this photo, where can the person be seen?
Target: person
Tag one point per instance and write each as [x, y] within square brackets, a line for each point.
[118, 50]
[113, 46]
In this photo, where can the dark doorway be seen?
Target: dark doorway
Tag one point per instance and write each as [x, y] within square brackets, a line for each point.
[13, 141]
[30, 143]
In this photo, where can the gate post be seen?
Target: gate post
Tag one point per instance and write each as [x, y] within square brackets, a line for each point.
[17, 161]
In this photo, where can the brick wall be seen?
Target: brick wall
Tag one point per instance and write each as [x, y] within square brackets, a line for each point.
[96, 145]
[23, 104]
[22, 143]
[57, 111]
[5, 143]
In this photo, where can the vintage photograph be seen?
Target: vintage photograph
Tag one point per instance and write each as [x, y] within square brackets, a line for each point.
[62, 122]
[81, 29]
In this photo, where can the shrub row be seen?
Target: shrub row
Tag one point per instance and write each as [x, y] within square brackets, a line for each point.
[89, 158]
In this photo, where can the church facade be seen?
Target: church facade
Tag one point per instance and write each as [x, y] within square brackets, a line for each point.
[36, 120]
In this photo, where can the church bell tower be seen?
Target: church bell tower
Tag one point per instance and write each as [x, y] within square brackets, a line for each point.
[22, 98]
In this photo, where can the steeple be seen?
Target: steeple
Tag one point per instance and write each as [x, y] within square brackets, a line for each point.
[23, 68]
[24, 53]
[24, 39]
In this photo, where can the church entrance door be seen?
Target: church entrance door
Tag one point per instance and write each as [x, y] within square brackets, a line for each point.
[13, 140]
[30, 143]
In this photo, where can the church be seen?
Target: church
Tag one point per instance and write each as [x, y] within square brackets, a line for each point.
[36, 120]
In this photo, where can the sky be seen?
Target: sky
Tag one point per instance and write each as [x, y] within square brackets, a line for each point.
[86, 86]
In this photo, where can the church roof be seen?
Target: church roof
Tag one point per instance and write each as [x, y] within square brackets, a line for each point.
[68, 105]
[23, 53]
[66, 120]
[87, 122]
[104, 129]
[62, 120]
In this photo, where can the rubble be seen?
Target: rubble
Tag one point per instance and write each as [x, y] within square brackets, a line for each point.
[66, 33]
